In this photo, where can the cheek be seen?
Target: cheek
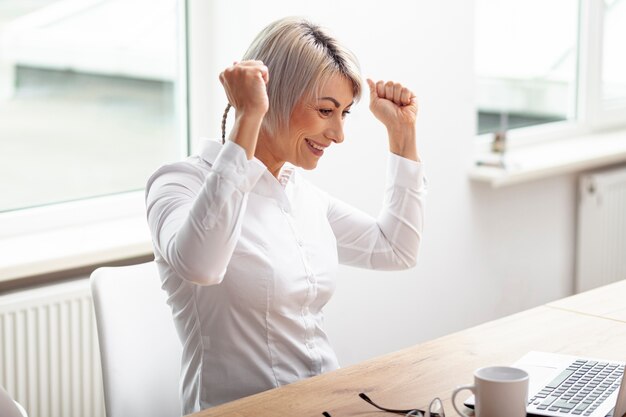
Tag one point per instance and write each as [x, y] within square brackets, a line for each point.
[309, 122]
[304, 126]
[302, 131]
[296, 140]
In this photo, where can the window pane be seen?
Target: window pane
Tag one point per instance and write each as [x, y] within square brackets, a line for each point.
[525, 60]
[88, 102]
[614, 56]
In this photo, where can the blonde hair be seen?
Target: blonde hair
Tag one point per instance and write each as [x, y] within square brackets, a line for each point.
[300, 57]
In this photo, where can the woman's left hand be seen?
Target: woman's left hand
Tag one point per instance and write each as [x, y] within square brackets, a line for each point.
[396, 107]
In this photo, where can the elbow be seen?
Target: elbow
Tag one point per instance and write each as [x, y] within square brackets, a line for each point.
[411, 263]
[202, 278]
[407, 259]
[396, 262]
[394, 258]
[402, 247]
[412, 253]
[407, 262]
[204, 273]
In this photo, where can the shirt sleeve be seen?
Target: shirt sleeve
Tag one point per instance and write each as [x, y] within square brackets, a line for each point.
[195, 218]
[392, 240]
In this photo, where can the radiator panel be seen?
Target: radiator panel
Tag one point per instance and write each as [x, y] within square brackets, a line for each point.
[601, 235]
[49, 358]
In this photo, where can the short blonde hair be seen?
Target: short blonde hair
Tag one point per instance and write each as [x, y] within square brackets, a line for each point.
[300, 57]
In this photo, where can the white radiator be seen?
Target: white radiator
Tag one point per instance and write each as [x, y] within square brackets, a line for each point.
[49, 358]
[601, 238]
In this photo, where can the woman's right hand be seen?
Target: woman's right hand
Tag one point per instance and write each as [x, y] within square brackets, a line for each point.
[245, 84]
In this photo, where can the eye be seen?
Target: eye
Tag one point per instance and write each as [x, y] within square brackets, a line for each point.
[345, 113]
[325, 112]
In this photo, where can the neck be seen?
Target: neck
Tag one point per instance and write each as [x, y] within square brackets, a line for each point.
[268, 156]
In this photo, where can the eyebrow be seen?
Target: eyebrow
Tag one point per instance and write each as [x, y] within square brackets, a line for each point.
[335, 102]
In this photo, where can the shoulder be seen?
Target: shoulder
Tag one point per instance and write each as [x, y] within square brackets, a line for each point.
[189, 173]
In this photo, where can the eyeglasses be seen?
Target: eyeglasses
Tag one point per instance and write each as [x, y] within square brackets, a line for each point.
[435, 409]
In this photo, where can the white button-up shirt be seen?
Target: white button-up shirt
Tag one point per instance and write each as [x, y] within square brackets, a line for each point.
[249, 261]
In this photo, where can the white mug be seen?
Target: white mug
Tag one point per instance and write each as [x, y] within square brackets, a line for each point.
[499, 391]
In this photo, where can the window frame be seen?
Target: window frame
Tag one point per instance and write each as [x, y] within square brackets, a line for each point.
[591, 116]
[598, 116]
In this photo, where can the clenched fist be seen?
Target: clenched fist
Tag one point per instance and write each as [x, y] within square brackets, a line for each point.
[396, 107]
[392, 104]
[245, 84]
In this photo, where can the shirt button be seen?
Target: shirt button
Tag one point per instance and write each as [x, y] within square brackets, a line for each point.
[284, 210]
[300, 242]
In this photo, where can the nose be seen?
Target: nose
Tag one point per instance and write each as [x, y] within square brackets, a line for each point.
[334, 131]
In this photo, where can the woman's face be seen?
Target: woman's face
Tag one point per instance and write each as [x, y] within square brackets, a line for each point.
[317, 123]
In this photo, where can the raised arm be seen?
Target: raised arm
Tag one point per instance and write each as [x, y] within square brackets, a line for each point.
[392, 240]
[195, 213]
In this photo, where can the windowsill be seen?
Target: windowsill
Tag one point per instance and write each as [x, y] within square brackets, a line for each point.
[89, 242]
[554, 158]
[75, 247]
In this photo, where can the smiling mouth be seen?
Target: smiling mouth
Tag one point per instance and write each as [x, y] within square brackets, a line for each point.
[317, 150]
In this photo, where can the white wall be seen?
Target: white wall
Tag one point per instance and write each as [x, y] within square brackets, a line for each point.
[485, 253]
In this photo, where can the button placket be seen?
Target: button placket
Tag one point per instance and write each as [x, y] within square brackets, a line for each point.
[309, 321]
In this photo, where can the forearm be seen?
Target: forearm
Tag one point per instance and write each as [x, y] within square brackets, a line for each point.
[246, 130]
[403, 141]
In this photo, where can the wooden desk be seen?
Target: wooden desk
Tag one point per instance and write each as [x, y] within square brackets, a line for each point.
[608, 302]
[412, 377]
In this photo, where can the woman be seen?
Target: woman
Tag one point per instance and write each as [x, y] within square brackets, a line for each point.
[247, 249]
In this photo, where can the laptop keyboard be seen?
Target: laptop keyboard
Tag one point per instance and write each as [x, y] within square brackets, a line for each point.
[579, 389]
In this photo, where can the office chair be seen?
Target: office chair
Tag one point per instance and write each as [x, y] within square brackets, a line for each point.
[139, 347]
[8, 407]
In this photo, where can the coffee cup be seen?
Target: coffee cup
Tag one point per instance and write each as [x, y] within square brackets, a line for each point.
[498, 391]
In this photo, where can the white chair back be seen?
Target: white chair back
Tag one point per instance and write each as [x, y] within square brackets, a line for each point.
[139, 347]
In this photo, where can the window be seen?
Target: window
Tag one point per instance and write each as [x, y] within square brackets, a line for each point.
[90, 97]
[526, 56]
[542, 62]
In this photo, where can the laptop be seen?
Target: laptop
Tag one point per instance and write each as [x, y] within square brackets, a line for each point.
[567, 386]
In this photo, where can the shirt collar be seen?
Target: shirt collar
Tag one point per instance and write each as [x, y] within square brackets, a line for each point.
[211, 148]
[287, 174]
